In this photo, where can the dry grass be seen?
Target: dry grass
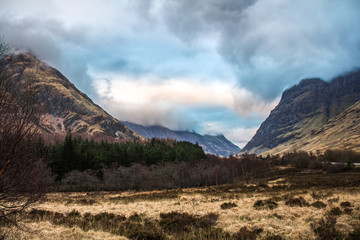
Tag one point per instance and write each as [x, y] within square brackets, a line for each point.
[46, 230]
[290, 221]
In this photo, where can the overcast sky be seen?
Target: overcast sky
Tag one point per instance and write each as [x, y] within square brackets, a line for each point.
[213, 66]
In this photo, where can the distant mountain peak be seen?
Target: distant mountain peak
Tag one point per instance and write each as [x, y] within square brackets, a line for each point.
[217, 145]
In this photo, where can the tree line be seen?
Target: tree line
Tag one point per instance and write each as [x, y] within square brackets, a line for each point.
[86, 165]
[79, 154]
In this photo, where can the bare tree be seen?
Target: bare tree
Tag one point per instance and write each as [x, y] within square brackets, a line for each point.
[22, 169]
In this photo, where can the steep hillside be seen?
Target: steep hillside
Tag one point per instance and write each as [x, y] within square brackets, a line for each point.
[341, 132]
[217, 145]
[63, 106]
[303, 110]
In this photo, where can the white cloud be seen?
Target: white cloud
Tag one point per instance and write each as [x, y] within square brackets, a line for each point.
[148, 100]
[249, 104]
[240, 136]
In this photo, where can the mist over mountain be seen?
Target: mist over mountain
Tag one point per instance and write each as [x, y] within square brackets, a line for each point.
[312, 111]
[217, 145]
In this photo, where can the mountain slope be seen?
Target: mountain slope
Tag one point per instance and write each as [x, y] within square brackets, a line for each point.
[303, 110]
[62, 104]
[217, 145]
[341, 132]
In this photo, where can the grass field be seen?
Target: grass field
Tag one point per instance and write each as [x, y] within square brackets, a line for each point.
[296, 205]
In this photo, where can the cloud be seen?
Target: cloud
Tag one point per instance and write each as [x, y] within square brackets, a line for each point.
[248, 104]
[240, 136]
[53, 42]
[273, 41]
[188, 63]
[148, 101]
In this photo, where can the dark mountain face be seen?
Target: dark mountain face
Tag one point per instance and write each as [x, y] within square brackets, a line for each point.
[62, 105]
[303, 109]
[217, 145]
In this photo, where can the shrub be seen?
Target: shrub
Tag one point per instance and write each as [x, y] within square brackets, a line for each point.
[348, 211]
[245, 234]
[355, 234]
[265, 204]
[147, 232]
[176, 222]
[228, 205]
[318, 196]
[299, 159]
[207, 233]
[345, 204]
[315, 164]
[74, 213]
[334, 168]
[318, 204]
[300, 202]
[80, 181]
[273, 237]
[325, 229]
[335, 211]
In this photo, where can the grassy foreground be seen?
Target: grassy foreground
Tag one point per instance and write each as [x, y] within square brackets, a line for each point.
[295, 205]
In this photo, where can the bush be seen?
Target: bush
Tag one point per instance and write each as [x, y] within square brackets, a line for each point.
[348, 211]
[273, 237]
[315, 164]
[345, 204]
[334, 168]
[228, 205]
[318, 196]
[335, 211]
[345, 156]
[298, 159]
[245, 234]
[80, 181]
[300, 202]
[265, 204]
[176, 222]
[325, 229]
[318, 204]
[355, 234]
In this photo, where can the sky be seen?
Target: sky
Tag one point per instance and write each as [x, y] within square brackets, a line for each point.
[210, 66]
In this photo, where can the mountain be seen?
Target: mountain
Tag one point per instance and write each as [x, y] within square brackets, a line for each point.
[313, 115]
[217, 145]
[62, 105]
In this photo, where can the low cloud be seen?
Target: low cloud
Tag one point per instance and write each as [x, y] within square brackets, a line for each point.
[240, 136]
[248, 104]
[148, 101]
[47, 38]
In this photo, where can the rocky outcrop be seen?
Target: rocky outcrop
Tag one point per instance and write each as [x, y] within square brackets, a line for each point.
[303, 110]
[62, 105]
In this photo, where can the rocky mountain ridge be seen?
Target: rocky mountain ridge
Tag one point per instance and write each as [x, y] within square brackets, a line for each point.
[62, 105]
[304, 110]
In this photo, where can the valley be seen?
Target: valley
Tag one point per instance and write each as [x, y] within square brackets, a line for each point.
[291, 205]
[125, 120]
